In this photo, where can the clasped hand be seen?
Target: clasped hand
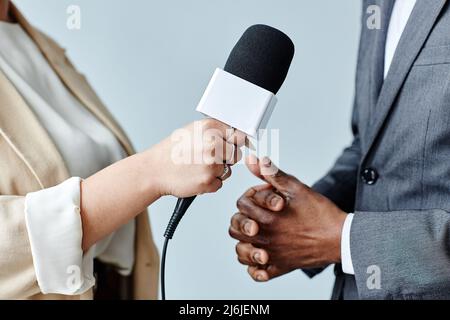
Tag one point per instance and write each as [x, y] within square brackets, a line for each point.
[284, 225]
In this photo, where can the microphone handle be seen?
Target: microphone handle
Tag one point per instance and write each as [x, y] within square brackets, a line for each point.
[180, 209]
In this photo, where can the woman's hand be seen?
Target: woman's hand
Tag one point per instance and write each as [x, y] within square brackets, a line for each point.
[193, 159]
[189, 162]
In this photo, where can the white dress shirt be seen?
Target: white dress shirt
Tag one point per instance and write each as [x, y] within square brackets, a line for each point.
[400, 14]
[87, 146]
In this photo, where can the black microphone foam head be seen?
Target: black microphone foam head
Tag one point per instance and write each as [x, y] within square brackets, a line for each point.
[262, 56]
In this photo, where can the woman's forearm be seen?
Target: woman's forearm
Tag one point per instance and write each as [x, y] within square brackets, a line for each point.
[115, 195]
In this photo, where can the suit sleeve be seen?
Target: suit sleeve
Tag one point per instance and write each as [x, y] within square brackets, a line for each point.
[402, 254]
[17, 275]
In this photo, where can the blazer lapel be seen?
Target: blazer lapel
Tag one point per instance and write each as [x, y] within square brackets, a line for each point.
[73, 80]
[23, 131]
[419, 26]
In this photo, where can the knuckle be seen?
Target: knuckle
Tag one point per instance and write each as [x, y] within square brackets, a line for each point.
[298, 184]
[207, 174]
[280, 174]
[235, 234]
[231, 232]
[243, 204]
[208, 146]
[267, 219]
[301, 192]
[234, 219]
[268, 198]
[271, 271]
[240, 202]
[244, 199]
[208, 158]
[208, 123]
[218, 186]
[237, 249]
[210, 176]
[205, 180]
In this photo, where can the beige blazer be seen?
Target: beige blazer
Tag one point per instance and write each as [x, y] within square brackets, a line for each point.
[30, 161]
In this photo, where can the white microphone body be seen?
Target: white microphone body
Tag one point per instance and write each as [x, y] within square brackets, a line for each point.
[237, 103]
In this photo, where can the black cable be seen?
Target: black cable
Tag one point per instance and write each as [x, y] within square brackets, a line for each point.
[163, 267]
[180, 209]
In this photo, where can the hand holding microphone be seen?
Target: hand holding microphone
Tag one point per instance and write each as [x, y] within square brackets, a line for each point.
[197, 158]
[115, 195]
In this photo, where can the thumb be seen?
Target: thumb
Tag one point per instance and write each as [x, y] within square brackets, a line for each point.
[267, 171]
[252, 163]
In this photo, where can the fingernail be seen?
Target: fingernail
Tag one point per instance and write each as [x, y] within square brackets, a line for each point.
[259, 277]
[275, 200]
[248, 228]
[257, 257]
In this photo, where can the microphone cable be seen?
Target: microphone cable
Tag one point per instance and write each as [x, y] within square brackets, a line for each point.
[163, 266]
[180, 209]
[182, 206]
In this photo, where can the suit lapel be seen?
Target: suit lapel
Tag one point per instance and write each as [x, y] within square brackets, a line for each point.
[419, 26]
[75, 82]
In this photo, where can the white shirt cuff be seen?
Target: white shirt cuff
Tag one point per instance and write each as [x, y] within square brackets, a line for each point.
[55, 231]
[346, 258]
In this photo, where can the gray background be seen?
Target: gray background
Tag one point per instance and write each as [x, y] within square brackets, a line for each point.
[150, 62]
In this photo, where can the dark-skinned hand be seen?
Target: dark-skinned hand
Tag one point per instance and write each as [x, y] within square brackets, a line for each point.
[284, 225]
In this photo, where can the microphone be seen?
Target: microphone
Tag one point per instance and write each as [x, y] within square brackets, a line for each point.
[242, 95]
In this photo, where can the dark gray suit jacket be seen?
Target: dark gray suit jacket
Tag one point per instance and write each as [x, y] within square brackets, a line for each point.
[395, 176]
